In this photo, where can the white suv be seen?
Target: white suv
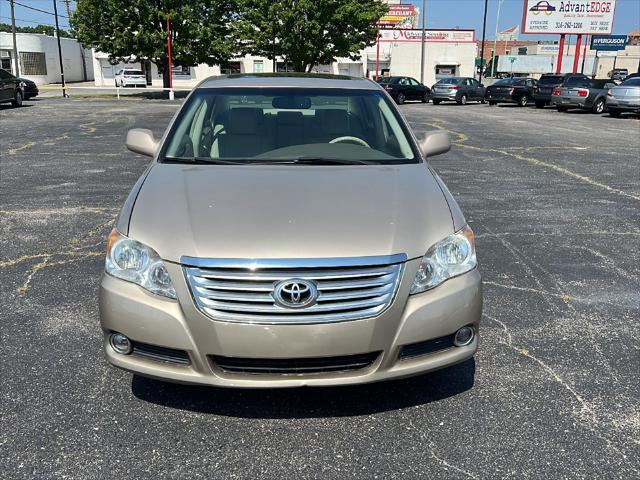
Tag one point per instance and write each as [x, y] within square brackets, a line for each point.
[130, 78]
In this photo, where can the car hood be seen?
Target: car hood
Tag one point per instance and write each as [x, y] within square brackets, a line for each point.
[289, 211]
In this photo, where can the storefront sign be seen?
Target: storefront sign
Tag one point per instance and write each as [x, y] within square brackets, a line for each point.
[400, 16]
[415, 35]
[608, 43]
[568, 16]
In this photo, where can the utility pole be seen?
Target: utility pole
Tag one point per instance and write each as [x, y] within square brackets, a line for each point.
[424, 15]
[494, 66]
[64, 86]
[16, 60]
[169, 61]
[484, 38]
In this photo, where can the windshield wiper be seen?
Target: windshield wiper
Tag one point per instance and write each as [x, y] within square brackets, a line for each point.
[201, 161]
[315, 161]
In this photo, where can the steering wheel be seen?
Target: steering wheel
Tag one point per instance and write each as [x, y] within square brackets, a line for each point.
[350, 139]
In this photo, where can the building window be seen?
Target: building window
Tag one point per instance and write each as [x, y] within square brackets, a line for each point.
[33, 63]
[258, 66]
[232, 67]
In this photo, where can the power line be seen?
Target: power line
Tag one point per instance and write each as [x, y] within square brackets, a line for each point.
[37, 9]
[31, 21]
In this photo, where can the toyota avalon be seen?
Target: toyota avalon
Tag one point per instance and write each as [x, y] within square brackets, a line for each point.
[289, 232]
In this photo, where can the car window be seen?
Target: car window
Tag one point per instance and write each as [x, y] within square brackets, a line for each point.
[133, 72]
[505, 81]
[413, 82]
[575, 82]
[632, 82]
[269, 125]
[551, 80]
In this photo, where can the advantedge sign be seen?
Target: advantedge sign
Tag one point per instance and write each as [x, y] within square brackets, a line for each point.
[568, 16]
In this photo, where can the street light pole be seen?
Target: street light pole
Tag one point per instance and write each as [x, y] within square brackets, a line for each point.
[16, 61]
[484, 38]
[64, 86]
[424, 14]
[495, 43]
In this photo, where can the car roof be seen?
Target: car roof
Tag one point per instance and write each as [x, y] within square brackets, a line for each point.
[294, 80]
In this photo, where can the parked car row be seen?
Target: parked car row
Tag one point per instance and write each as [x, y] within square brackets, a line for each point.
[564, 92]
[14, 89]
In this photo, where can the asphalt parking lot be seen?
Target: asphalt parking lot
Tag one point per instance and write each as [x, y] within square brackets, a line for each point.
[554, 200]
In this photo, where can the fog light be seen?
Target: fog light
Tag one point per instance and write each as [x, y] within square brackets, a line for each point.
[464, 336]
[120, 343]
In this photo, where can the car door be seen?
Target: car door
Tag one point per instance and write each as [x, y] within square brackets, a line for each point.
[6, 86]
[417, 89]
[403, 86]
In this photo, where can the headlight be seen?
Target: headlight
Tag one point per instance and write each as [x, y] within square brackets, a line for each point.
[134, 262]
[448, 258]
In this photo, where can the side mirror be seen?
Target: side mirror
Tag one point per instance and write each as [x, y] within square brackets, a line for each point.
[435, 143]
[141, 140]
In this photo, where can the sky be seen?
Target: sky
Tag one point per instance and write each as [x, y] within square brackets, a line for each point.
[440, 14]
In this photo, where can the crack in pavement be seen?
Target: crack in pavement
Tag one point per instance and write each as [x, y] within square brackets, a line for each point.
[587, 413]
[534, 161]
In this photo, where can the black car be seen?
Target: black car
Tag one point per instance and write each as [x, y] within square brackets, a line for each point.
[457, 89]
[405, 88]
[11, 89]
[549, 82]
[30, 88]
[511, 90]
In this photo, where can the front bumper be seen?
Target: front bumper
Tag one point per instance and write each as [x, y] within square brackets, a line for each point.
[153, 320]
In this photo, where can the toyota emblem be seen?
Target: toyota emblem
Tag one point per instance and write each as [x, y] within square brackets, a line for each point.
[295, 293]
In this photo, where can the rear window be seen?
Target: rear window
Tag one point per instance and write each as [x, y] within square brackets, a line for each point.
[133, 72]
[508, 81]
[450, 81]
[549, 80]
[574, 81]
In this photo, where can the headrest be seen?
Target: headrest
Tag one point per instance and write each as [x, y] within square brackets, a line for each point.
[334, 121]
[243, 121]
[290, 118]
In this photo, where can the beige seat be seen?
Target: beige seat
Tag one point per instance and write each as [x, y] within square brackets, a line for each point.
[243, 136]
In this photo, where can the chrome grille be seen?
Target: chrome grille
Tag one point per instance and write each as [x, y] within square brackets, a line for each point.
[242, 290]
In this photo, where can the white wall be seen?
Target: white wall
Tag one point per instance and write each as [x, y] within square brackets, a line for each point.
[71, 56]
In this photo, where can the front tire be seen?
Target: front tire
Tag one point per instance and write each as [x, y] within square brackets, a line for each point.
[598, 107]
[523, 101]
[17, 99]
[400, 98]
[462, 100]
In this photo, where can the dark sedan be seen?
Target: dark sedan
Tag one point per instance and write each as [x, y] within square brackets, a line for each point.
[405, 88]
[511, 90]
[30, 88]
[11, 89]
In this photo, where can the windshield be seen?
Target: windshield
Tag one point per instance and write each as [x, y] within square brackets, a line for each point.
[268, 125]
[632, 82]
[550, 80]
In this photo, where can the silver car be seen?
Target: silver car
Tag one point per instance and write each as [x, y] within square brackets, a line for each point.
[289, 231]
[585, 94]
[625, 97]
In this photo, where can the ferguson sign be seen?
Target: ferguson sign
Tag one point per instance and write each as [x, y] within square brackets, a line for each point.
[568, 16]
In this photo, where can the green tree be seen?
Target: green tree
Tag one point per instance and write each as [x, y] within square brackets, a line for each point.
[307, 33]
[200, 30]
[45, 29]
